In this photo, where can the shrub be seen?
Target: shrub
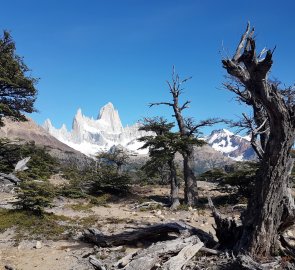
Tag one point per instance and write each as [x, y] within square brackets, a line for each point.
[41, 164]
[35, 196]
[80, 181]
[242, 177]
[110, 180]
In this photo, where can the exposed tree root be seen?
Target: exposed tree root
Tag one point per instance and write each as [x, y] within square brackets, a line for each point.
[227, 230]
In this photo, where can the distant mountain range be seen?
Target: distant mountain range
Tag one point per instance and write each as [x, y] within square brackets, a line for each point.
[90, 136]
[231, 145]
[30, 131]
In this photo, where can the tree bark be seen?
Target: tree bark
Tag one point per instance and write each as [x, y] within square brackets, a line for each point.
[190, 189]
[263, 218]
[190, 181]
[149, 233]
[270, 208]
[174, 185]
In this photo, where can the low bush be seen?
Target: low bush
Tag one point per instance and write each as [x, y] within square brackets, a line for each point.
[41, 165]
[108, 179]
[35, 196]
[28, 226]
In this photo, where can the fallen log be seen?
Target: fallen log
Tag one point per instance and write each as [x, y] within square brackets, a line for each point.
[149, 233]
[125, 260]
[182, 258]
[96, 263]
[154, 255]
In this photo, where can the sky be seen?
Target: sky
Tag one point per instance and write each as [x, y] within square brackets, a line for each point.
[88, 53]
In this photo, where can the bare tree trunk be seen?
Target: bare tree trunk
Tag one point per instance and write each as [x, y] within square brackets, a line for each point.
[190, 189]
[190, 182]
[174, 185]
[270, 209]
[188, 156]
[262, 222]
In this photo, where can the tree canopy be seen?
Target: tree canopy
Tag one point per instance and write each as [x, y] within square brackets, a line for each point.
[17, 87]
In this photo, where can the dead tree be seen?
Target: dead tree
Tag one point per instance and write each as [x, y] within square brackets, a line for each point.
[188, 129]
[270, 209]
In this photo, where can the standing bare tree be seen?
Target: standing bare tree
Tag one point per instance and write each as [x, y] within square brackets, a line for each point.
[271, 208]
[188, 129]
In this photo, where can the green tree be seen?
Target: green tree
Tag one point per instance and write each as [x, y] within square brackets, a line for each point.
[34, 196]
[17, 87]
[162, 149]
[188, 130]
[110, 175]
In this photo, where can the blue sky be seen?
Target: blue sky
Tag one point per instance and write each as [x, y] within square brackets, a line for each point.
[87, 53]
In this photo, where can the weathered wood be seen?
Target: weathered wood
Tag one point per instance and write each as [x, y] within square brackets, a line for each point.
[174, 183]
[183, 257]
[245, 262]
[125, 260]
[147, 258]
[269, 210]
[148, 204]
[148, 233]
[10, 177]
[210, 251]
[227, 230]
[97, 264]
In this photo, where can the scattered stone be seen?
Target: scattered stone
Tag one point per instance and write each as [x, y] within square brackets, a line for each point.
[116, 248]
[161, 217]
[38, 245]
[9, 267]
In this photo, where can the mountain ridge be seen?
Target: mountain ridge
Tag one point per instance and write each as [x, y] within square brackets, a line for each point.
[91, 136]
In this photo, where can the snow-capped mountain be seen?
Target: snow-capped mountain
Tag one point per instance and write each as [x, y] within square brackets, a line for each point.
[91, 136]
[231, 145]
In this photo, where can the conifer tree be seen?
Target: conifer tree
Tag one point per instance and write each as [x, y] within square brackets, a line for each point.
[17, 88]
[162, 149]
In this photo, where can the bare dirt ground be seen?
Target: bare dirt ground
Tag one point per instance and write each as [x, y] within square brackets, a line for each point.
[111, 218]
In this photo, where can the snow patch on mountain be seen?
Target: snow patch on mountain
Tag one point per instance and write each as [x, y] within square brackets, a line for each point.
[231, 145]
[91, 136]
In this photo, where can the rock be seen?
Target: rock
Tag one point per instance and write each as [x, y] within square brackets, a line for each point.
[9, 267]
[161, 217]
[38, 245]
[159, 213]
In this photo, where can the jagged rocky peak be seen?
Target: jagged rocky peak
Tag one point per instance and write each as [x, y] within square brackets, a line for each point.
[47, 124]
[231, 145]
[90, 136]
[111, 117]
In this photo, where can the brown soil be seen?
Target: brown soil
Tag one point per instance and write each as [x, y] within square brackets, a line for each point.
[113, 217]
